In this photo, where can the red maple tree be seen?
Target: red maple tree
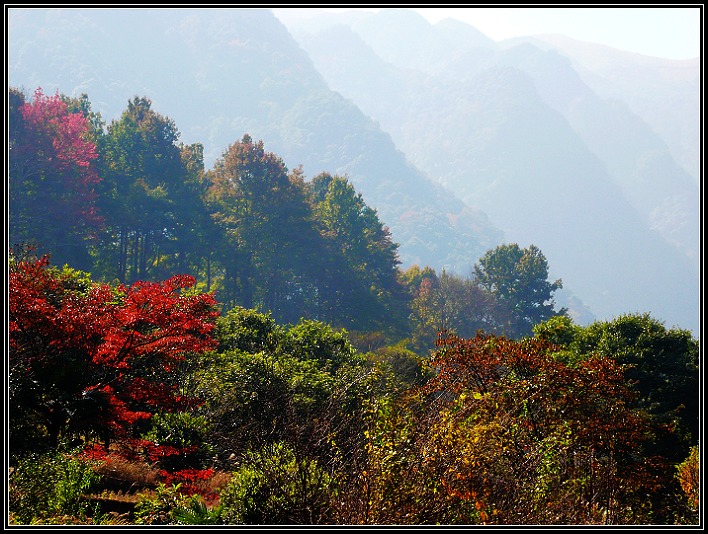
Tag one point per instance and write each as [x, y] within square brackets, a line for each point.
[52, 175]
[90, 359]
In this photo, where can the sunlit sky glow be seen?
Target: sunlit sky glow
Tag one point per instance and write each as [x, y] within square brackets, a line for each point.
[667, 32]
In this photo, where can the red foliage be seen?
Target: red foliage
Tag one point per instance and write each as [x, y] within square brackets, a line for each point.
[95, 452]
[113, 347]
[65, 131]
[191, 480]
[520, 394]
[155, 452]
[57, 146]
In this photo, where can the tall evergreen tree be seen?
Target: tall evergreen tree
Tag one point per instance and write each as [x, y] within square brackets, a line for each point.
[362, 268]
[265, 217]
[151, 196]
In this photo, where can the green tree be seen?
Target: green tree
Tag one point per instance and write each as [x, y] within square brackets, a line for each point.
[303, 384]
[194, 237]
[408, 368]
[663, 365]
[518, 279]
[152, 198]
[318, 341]
[360, 289]
[247, 330]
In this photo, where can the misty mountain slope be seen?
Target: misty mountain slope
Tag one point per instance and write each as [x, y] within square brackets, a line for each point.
[380, 89]
[665, 93]
[637, 159]
[488, 134]
[325, 132]
[373, 63]
[220, 73]
[538, 181]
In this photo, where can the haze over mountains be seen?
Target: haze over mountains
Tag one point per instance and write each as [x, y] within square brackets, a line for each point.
[459, 142]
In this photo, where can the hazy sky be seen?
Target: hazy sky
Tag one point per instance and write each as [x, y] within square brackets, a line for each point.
[667, 32]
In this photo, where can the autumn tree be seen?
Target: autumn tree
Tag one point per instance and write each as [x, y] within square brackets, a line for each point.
[507, 433]
[88, 359]
[52, 177]
[688, 475]
[579, 448]
[448, 302]
[662, 364]
[262, 211]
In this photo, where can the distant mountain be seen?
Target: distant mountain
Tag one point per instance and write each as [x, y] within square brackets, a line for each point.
[636, 158]
[516, 132]
[664, 93]
[220, 73]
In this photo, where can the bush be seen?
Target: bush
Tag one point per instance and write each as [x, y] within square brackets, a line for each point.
[276, 487]
[247, 330]
[49, 485]
[688, 475]
[164, 507]
[409, 368]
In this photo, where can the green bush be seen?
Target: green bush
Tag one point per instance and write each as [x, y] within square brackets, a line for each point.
[49, 485]
[318, 341]
[247, 330]
[408, 368]
[164, 507]
[276, 487]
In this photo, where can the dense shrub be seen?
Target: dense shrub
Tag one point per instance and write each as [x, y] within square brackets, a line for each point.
[48, 485]
[274, 486]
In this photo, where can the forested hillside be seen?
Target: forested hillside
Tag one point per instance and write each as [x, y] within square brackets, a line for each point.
[221, 72]
[129, 202]
[645, 84]
[460, 143]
